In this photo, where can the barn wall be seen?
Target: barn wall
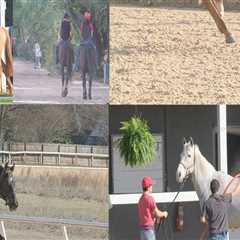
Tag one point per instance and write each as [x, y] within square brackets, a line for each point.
[123, 223]
[174, 122]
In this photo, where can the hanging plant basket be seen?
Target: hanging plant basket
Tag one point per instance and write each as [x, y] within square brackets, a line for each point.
[137, 145]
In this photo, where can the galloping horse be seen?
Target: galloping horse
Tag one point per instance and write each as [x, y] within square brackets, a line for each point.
[87, 66]
[216, 9]
[66, 59]
[193, 164]
[6, 63]
[7, 191]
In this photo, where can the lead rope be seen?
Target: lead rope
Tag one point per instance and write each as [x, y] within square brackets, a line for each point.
[162, 222]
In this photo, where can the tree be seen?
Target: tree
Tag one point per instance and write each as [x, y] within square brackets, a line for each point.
[39, 20]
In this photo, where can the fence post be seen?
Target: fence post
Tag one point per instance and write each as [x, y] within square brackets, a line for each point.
[25, 149]
[91, 156]
[65, 232]
[2, 153]
[42, 150]
[59, 155]
[75, 157]
[4, 231]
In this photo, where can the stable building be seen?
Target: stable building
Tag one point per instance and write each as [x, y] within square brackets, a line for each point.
[216, 129]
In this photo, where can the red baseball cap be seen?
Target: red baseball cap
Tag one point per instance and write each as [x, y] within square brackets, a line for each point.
[147, 182]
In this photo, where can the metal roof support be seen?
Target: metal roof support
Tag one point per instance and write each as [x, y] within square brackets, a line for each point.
[222, 139]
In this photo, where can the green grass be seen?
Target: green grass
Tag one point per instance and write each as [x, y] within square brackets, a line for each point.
[5, 99]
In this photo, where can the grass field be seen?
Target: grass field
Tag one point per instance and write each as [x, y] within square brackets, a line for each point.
[59, 193]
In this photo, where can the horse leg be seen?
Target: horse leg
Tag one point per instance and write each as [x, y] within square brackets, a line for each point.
[84, 85]
[63, 78]
[211, 6]
[90, 86]
[220, 7]
[10, 86]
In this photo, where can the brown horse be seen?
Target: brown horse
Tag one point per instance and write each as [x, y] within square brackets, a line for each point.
[216, 9]
[6, 65]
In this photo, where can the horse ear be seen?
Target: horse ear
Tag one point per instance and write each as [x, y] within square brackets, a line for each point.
[12, 167]
[191, 141]
[184, 141]
[6, 165]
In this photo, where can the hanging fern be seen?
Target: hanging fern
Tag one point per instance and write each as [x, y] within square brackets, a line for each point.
[137, 146]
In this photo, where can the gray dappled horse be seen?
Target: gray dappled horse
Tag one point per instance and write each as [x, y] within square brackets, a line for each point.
[66, 60]
[193, 164]
[87, 66]
[7, 188]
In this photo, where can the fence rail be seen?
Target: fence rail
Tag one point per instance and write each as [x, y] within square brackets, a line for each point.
[55, 155]
[52, 221]
[93, 159]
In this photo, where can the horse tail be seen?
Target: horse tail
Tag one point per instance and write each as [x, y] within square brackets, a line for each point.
[9, 57]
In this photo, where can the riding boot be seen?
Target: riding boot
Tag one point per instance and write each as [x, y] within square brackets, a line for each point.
[90, 88]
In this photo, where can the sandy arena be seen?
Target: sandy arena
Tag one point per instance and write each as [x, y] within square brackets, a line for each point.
[172, 56]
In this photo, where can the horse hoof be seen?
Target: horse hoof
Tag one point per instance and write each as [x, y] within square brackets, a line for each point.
[65, 92]
[230, 39]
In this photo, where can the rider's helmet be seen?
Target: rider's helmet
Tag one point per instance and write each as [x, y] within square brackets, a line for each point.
[66, 15]
[87, 15]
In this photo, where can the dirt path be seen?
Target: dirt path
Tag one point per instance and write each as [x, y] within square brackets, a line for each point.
[37, 86]
[172, 56]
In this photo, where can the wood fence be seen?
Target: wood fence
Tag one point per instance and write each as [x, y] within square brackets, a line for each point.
[51, 221]
[55, 154]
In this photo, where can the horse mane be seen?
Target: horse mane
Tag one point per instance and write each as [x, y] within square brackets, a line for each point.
[202, 175]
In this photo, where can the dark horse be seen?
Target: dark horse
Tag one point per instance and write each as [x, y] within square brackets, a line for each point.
[7, 188]
[66, 59]
[87, 66]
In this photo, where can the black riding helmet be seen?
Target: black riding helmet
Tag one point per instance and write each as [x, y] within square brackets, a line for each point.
[66, 15]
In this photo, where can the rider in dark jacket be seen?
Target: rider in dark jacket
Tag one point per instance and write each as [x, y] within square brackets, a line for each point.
[65, 33]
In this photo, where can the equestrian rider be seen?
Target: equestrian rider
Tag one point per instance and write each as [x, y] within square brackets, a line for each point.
[86, 28]
[65, 33]
[87, 52]
[148, 211]
[215, 211]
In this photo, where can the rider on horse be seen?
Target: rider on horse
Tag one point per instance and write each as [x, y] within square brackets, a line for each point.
[87, 52]
[65, 33]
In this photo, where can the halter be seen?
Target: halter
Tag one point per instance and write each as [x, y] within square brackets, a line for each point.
[189, 169]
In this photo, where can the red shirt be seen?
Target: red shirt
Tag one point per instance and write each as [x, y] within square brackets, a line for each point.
[146, 206]
[90, 25]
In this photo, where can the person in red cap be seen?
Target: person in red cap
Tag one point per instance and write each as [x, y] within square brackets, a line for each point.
[148, 211]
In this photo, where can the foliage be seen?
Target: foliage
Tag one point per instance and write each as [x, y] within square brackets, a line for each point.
[137, 146]
[51, 124]
[39, 20]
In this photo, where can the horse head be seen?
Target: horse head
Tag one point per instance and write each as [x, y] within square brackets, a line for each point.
[187, 161]
[7, 186]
